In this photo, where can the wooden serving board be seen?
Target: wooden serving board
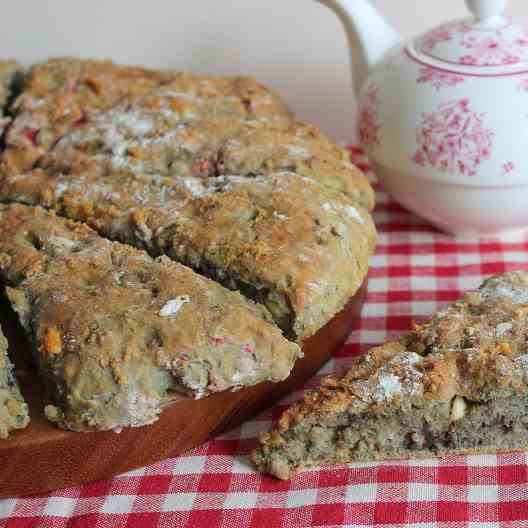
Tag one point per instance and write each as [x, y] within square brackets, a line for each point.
[42, 457]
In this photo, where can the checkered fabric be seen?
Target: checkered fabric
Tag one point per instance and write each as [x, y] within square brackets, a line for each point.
[415, 271]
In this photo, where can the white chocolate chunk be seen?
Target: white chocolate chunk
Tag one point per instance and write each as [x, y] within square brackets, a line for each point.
[172, 307]
[458, 409]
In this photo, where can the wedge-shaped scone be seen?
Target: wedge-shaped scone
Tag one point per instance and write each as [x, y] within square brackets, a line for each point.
[13, 409]
[117, 334]
[62, 94]
[198, 125]
[282, 240]
[457, 384]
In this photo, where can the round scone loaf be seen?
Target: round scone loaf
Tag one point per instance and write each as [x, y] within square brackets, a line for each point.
[184, 188]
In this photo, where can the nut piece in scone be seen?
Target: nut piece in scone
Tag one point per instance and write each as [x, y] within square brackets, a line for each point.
[457, 384]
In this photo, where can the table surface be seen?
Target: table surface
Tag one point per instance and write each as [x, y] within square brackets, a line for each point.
[416, 270]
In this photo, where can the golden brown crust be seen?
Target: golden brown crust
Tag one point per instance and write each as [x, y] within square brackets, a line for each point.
[477, 344]
[264, 147]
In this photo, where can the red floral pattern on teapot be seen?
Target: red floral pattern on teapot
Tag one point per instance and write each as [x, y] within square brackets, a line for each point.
[438, 78]
[490, 48]
[453, 139]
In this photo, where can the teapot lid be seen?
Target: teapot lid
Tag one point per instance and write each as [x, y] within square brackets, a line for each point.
[487, 44]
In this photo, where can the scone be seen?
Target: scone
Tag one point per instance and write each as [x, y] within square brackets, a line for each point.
[281, 240]
[13, 409]
[116, 333]
[457, 384]
[263, 147]
[10, 82]
[213, 173]
[61, 94]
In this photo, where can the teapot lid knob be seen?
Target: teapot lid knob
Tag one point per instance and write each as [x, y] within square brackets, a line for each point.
[488, 13]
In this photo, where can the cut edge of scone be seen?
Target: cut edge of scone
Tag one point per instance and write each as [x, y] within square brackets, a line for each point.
[13, 409]
[457, 384]
[11, 76]
[117, 334]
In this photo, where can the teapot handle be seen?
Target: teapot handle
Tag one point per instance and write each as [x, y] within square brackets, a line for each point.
[489, 14]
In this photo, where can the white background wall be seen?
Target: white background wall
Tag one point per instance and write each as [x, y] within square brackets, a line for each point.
[298, 46]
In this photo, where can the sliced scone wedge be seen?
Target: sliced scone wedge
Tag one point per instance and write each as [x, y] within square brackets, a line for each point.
[263, 147]
[13, 409]
[117, 334]
[61, 95]
[457, 384]
[283, 240]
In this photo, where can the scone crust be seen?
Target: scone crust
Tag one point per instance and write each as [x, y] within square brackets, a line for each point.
[63, 93]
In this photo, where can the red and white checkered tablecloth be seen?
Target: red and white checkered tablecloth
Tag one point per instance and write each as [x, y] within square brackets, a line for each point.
[415, 271]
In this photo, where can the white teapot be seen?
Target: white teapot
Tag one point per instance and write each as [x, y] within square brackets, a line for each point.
[444, 117]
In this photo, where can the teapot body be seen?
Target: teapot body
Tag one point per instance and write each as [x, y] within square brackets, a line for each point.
[448, 144]
[444, 117]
